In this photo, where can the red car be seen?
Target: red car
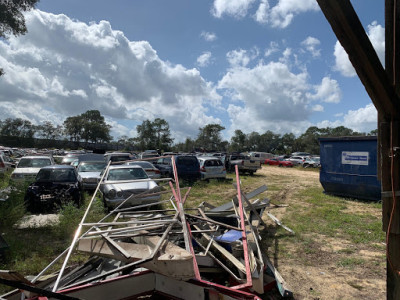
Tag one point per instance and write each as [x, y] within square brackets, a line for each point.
[278, 162]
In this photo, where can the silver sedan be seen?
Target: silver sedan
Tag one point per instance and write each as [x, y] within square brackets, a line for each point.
[130, 183]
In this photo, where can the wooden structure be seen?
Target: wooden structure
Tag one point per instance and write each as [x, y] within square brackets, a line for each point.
[383, 87]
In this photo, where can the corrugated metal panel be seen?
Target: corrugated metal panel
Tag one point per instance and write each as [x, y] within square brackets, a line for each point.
[349, 167]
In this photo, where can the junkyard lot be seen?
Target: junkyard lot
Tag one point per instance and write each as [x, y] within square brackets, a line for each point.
[338, 250]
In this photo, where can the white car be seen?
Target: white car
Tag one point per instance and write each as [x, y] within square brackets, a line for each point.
[211, 167]
[89, 173]
[28, 167]
[123, 181]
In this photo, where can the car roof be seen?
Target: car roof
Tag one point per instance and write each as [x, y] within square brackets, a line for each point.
[208, 158]
[36, 156]
[59, 167]
[124, 167]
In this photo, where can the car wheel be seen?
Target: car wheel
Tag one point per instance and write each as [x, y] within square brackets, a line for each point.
[30, 205]
[280, 165]
[78, 200]
[251, 173]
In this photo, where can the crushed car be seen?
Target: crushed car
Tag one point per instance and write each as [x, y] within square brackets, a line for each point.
[54, 186]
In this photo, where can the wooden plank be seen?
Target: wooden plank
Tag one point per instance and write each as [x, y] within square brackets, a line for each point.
[276, 220]
[253, 210]
[351, 34]
[224, 252]
[282, 285]
[102, 248]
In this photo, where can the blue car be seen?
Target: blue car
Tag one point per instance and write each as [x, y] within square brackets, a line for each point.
[188, 167]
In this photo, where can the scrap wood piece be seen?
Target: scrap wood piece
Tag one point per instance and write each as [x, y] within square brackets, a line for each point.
[237, 263]
[276, 220]
[171, 259]
[281, 284]
[103, 248]
[174, 261]
[255, 192]
[253, 209]
[208, 220]
[218, 261]
[31, 290]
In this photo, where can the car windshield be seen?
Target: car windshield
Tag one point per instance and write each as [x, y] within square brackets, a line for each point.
[56, 175]
[119, 158]
[33, 162]
[126, 174]
[91, 167]
[187, 161]
[143, 164]
[213, 163]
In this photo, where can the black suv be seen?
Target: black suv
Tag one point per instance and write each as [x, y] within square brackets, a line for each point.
[54, 186]
[187, 166]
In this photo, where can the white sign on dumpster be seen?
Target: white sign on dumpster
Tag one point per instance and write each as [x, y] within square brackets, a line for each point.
[355, 158]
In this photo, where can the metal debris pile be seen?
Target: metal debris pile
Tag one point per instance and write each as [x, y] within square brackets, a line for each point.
[204, 252]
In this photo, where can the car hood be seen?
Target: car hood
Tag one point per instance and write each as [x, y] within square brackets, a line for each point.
[136, 185]
[40, 186]
[89, 174]
[26, 170]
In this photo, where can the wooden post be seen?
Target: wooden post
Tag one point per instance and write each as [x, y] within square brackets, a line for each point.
[389, 130]
[383, 87]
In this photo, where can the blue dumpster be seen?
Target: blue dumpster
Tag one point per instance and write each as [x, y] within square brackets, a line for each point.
[349, 167]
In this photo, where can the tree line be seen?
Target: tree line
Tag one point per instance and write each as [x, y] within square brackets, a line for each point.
[91, 127]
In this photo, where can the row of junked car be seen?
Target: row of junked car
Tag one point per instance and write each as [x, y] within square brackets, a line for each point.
[119, 177]
[304, 161]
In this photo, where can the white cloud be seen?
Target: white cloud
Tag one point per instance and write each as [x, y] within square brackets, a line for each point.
[269, 97]
[241, 57]
[67, 67]
[208, 36]
[318, 108]
[328, 91]
[281, 15]
[234, 8]
[364, 119]
[273, 47]
[376, 34]
[204, 59]
[311, 44]
[262, 13]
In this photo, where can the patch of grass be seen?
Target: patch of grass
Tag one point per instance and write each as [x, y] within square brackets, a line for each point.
[327, 216]
[347, 251]
[351, 262]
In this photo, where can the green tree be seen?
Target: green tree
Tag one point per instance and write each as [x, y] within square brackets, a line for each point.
[154, 135]
[95, 128]
[253, 141]
[48, 131]
[18, 127]
[163, 135]
[12, 20]
[373, 132]
[73, 127]
[209, 137]
[238, 141]
[286, 144]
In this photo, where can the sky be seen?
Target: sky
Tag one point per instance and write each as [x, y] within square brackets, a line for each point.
[253, 65]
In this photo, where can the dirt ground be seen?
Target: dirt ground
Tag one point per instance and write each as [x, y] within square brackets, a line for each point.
[317, 275]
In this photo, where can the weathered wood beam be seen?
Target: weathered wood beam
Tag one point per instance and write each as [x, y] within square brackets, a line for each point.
[389, 141]
[351, 34]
